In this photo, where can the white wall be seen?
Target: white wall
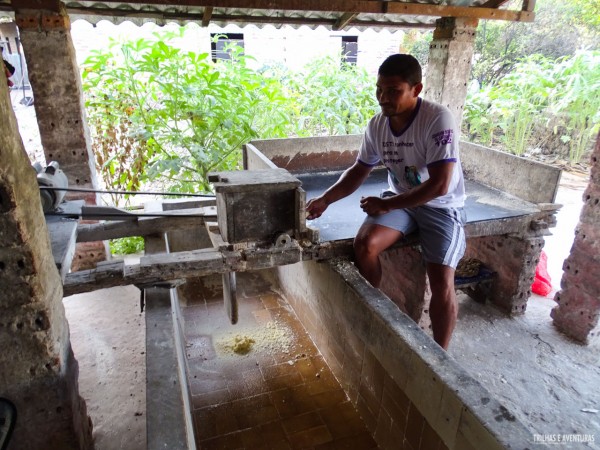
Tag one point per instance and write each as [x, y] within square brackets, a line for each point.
[269, 45]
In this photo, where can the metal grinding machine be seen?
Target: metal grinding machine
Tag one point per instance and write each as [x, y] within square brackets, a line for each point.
[55, 179]
[256, 209]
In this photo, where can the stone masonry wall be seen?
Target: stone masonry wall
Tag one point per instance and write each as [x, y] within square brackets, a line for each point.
[59, 107]
[449, 67]
[405, 279]
[578, 301]
[39, 373]
[507, 256]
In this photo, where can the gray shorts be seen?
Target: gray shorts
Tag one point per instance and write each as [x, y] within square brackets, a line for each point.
[441, 231]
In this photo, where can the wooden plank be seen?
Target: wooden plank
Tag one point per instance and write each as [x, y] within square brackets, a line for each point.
[252, 181]
[230, 296]
[174, 204]
[420, 9]
[144, 226]
[181, 265]
[361, 6]
[344, 20]
[191, 264]
[207, 15]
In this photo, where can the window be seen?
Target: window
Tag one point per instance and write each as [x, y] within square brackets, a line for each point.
[221, 42]
[350, 49]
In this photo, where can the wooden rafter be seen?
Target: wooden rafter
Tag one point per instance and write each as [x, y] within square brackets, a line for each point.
[493, 3]
[421, 9]
[207, 15]
[344, 20]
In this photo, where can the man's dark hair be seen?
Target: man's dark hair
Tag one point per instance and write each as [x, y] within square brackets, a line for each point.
[404, 66]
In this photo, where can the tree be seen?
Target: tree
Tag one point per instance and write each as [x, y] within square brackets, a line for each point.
[559, 30]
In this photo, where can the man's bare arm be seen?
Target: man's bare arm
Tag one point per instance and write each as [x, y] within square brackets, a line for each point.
[348, 182]
[437, 185]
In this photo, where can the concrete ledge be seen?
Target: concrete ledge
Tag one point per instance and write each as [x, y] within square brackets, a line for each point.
[165, 416]
[523, 178]
[303, 154]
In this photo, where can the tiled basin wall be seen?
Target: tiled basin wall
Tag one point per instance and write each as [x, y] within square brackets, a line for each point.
[409, 392]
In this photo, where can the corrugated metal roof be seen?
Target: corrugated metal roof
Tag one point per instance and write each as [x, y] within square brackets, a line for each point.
[374, 14]
[161, 14]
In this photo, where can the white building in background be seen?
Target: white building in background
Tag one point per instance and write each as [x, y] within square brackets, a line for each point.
[288, 46]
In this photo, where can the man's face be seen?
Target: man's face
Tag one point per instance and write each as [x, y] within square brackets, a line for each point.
[396, 96]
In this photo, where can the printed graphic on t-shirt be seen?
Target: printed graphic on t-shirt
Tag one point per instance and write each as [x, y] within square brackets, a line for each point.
[443, 137]
[411, 174]
[394, 179]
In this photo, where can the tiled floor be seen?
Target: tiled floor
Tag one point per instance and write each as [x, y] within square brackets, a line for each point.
[279, 395]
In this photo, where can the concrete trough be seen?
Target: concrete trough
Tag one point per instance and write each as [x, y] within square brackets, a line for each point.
[371, 339]
[408, 392]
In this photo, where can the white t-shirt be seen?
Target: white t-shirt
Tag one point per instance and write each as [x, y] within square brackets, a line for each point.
[430, 137]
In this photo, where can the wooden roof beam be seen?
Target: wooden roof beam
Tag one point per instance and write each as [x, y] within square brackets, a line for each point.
[528, 5]
[344, 20]
[207, 15]
[420, 9]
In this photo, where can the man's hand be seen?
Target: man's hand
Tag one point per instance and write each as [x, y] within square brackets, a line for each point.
[374, 206]
[315, 207]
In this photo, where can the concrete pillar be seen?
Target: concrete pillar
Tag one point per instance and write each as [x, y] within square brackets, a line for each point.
[578, 301]
[38, 371]
[514, 259]
[59, 105]
[408, 285]
[449, 66]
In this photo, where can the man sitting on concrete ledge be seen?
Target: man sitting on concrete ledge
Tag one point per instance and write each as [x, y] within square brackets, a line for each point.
[417, 141]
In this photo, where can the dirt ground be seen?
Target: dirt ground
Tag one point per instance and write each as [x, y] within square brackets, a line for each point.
[550, 382]
[108, 338]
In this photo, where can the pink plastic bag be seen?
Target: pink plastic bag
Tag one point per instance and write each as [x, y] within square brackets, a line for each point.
[542, 284]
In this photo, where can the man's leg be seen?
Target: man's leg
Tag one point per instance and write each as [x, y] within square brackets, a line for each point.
[443, 308]
[371, 240]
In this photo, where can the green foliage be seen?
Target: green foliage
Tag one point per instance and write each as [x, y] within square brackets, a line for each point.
[540, 91]
[559, 30]
[575, 101]
[518, 99]
[587, 13]
[126, 245]
[331, 98]
[478, 123]
[416, 43]
[175, 117]
[163, 116]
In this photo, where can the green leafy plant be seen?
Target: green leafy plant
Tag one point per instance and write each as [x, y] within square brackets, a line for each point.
[332, 98]
[575, 101]
[518, 99]
[162, 116]
[553, 96]
[175, 117]
[478, 124]
[126, 245]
